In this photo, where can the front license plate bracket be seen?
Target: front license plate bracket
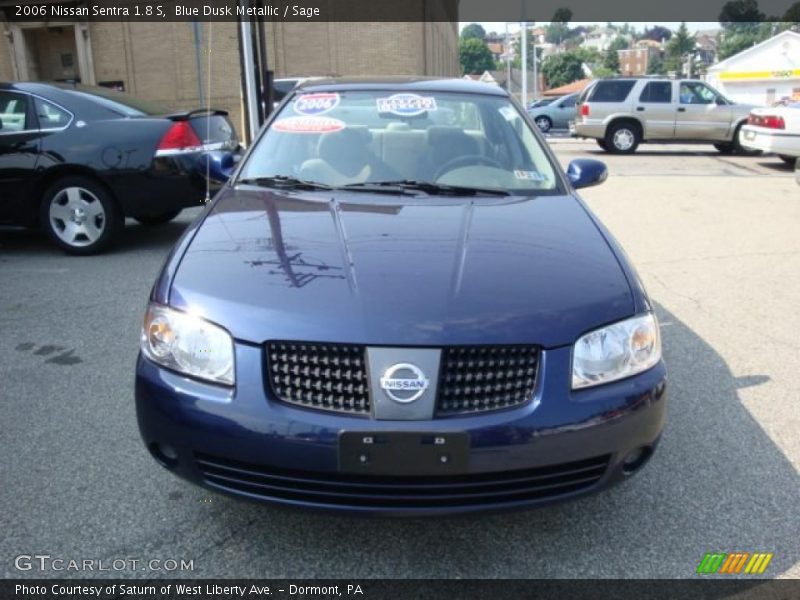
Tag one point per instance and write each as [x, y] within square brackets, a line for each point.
[403, 453]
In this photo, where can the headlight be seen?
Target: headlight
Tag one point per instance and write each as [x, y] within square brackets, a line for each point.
[616, 351]
[188, 344]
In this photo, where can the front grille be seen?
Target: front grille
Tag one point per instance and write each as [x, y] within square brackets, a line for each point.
[322, 376]
[421, 492]
[333, 377]
[483, 378]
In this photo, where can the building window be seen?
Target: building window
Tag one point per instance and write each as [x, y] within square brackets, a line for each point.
[67, 61]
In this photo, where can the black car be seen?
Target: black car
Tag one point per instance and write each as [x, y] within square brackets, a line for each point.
[76, 160]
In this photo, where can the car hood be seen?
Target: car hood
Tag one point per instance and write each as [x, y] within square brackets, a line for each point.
[400, 270]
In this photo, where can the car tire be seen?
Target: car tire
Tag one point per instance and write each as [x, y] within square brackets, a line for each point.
[543, 123]
[724, 148]
[158, 219]
[602, 144]
[80, 215]
[789, 160]
[623, 138]
[738, 148]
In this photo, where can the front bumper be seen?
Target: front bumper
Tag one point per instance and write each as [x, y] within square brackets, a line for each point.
[242, 442]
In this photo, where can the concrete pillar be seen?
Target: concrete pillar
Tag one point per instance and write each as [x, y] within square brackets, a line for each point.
[83, 45]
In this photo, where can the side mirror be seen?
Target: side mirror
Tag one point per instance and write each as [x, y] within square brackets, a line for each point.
[219, 165]
[586, 172]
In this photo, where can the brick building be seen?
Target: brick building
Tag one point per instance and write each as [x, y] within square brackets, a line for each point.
[635, 61]
[158, 61]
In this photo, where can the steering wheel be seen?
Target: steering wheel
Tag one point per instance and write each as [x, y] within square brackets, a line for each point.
[469, 159]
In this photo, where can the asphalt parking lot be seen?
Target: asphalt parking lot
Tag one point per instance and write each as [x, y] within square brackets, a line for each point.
[716, 242]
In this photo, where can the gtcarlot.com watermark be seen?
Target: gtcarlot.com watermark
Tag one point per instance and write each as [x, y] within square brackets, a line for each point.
[46, 562]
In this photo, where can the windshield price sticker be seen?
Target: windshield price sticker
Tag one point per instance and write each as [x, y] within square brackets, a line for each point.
[406, 105]
[308, 125]
[316, 104]
[528, 175]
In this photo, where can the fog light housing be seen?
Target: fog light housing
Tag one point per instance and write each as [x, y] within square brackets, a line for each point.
[635, 459]
[164, 454]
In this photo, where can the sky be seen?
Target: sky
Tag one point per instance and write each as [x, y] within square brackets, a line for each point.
[500, 27]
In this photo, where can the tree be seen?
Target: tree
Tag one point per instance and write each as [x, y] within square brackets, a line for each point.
[558, 30]
[656, 33]
[740, 16]
[679, 45]
[793, 14]
[474, 56]
[611, 58]
[655, 66]
[473, 31]
[566, 67]
[562, 15]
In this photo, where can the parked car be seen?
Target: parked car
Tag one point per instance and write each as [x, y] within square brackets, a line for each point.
[401, 317]
[623, 112]
[77, 160]
[555, 115]
[775, 130]
[543, 102]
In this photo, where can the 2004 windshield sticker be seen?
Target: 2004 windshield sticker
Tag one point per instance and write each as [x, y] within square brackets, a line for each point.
[304, 124]
[406, 105]
[316, 104]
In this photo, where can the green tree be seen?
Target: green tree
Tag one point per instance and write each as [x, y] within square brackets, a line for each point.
[657, 33]
[474, 56]
[562, 15]
[681, 43]
[655, 66]
[566, 67]
[558, 29]
[792, 15]
[739, 16]
[610, 57]
[473, 31]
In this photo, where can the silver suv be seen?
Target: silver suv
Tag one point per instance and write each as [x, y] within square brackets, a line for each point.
[621, 113]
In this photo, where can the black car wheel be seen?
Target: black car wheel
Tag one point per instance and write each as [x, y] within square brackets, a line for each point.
[80, 215]
[623, 138]
[543, 123]
[158, 219]
[789, 160]
[602, 144]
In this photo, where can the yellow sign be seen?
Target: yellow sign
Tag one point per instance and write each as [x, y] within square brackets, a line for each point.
[779, 74]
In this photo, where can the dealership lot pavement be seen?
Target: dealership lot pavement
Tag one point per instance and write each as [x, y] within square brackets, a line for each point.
[716, 242]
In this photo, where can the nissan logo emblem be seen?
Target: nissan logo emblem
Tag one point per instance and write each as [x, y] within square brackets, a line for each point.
[404, 382]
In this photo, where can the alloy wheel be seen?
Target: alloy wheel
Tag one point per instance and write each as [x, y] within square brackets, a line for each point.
[77, 216]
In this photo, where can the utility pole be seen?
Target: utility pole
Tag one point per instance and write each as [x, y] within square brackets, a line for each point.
[524, 42]
[508, 62]
[535, 72]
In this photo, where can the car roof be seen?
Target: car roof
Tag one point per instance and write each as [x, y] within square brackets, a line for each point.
[401, 84]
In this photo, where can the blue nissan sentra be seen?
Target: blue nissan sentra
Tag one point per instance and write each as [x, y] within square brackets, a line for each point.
[399, 305]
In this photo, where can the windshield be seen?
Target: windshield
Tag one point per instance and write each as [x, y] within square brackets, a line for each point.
[366, 137]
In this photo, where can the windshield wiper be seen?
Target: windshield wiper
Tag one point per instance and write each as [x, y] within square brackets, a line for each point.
[284, 181]
[427, 187]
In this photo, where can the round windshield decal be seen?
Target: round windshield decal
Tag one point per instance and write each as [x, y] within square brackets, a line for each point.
[406, 105]
[308, 125]
[316, 104]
